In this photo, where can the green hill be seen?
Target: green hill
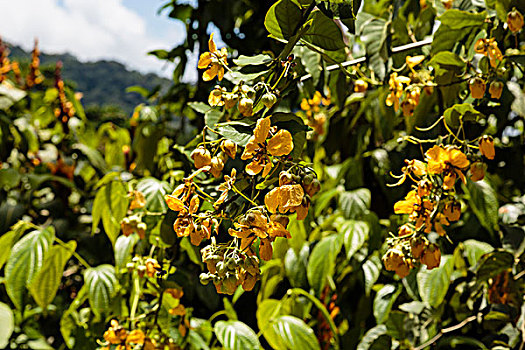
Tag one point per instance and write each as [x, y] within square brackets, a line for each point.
[102, 82]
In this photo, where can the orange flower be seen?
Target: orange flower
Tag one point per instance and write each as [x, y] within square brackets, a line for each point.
[258, 148]
[452, 210]
[225, 187]
[431, 257]
[477, 171]
[495, 89]
[418, 209]
[138, 200]
[489, 47]
[201, 157]
[213, 61]
[394, 260]
[447, 161]
[417, 246]
[477, 87]
[413, 166]
[396, 89]
[411, 101]
[360, 85]
[486, 146]
[439, 221]
[287, 198]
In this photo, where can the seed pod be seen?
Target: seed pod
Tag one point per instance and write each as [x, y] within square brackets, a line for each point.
[246, 106]
[308, 179]
[201, 157]
[216, 167]
[285, 178]
[269, 99]
[248, 91]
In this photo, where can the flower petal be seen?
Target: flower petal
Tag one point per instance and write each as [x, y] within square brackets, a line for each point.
[272, 199]
[204, 60]
[262, 130]
[281, 143]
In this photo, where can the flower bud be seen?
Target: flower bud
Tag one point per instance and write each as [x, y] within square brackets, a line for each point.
[285, 178]
[477, 87]
[495, 89]
[229, 147]
[246, 107]
[201, 157]
[486, 146]
[515, 20]
[477, 171]
[360, 85]
[216, 167]
[215, 98]
[248, 91]
[269, 99]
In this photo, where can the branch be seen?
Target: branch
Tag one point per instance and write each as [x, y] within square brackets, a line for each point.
[396, 49]
[445, 331]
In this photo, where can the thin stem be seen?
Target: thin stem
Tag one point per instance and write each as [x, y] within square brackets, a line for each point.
[445, 331]
[75, 254]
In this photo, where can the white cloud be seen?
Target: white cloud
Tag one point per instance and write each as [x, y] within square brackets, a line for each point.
[88, 29]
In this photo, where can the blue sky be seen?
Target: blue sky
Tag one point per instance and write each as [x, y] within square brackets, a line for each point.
[122, 30]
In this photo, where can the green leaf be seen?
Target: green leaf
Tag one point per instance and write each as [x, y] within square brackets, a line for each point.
[446, 59]
[110, 205]
[324, 33]
[44, 285]
[93, 155]
[7, 320]
[199, 107]
[375, 337]
[282, 19]
[295, 266]
[252, 60]
[154, 191]
[383, 302]
[461, 112]
[230, 311]
[9, 95]
[212, 117]
[355, 233]
[238, 132]
[8, 239]
[371, 269]
[354, 203]
[25, 261]
[484, 203]
[322, 261]
[235, 335]
[433, 284]
[101, 283]
[292, 333]
[9, 178]
[456, 19]
[494, 263]
[123, 248]
[341, 9]
[475, 249]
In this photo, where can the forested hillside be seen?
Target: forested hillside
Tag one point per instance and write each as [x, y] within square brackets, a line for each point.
[101, 82]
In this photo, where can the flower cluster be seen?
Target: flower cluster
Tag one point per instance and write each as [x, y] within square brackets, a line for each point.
[117, 337]
[432, 204]
[315, 114]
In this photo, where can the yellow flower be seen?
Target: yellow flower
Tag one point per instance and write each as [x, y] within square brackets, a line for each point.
[225, 187]
[311, 106]
[138, 200]
[229, 147]
[489, 47]
[213, 61]
[417, 246]
[136, 336]
[418, 209]
[258, 148]
[360, 85]
[447, 161]
[439, 221]
[394, 260]
[287, 198]
[413, 61]
[486, 146]
[396, 89]
[515, 21]
[217, 164]
[411, 101]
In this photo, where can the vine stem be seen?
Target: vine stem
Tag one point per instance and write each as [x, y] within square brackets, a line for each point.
[322, 308]
[75, 254]
[445, 331]
[396, 49]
